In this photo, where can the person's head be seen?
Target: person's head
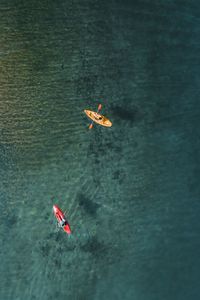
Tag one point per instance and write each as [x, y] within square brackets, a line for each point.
[62, 223]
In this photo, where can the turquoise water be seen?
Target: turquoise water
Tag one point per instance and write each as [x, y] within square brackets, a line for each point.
[131, 191]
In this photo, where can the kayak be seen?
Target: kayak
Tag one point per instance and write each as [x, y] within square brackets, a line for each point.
[62, 221]
[98, 118]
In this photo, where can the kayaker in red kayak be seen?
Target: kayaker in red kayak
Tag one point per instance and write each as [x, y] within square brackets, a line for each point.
[61, 219]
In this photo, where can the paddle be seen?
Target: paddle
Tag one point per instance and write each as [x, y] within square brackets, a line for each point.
[99, 108]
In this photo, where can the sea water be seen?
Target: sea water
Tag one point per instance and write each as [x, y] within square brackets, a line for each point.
[131, 192]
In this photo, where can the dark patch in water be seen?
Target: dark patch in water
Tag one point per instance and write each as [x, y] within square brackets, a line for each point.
[116, 175]
[10, 220]
[95, 247]
[88, 205]
[57, 263]
[119, 175]
[44, 249]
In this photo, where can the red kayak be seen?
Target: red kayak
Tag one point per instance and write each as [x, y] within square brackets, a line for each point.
[62, 221]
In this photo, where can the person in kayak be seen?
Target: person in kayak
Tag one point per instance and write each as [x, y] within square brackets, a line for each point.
[61, 220]
[62, 223]
[97, 116]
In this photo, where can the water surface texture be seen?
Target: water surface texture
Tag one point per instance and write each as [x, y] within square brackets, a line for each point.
[131, 191]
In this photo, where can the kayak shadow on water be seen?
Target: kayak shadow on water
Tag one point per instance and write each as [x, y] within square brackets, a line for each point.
[94, 247]
[87, 205]
[126, 114]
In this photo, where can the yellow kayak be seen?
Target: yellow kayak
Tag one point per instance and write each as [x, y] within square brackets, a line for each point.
[97, 118]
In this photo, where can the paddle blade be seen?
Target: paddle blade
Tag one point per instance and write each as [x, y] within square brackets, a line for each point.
[99, 107]
[91, 125]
